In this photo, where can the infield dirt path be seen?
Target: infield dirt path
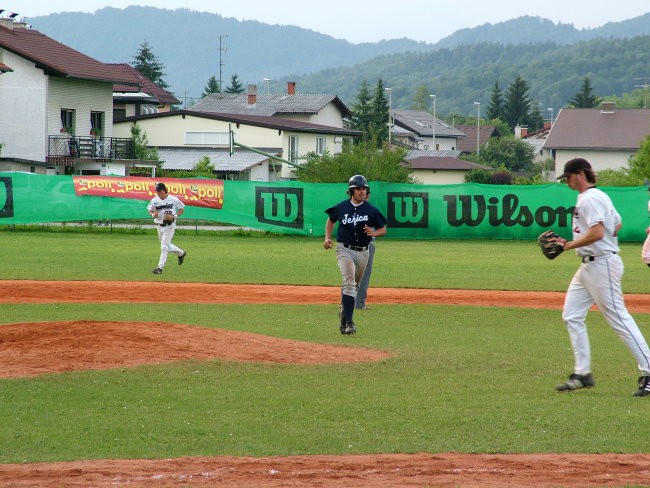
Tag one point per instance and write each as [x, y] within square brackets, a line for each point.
[30, 349]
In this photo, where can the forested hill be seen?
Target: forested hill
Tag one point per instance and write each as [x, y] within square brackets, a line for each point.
[462, 75]
[192, 44]
[460, 69]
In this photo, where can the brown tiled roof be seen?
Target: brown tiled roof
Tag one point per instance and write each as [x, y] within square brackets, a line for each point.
[592, 128]
[255, 120]
[468, 144]
[145, 84]
[55, 58]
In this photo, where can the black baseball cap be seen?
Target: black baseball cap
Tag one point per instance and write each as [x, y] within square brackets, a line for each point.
[574, 166]
[161, 187]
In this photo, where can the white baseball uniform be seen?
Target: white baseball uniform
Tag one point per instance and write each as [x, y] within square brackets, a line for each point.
[170, 205]
[598, 280]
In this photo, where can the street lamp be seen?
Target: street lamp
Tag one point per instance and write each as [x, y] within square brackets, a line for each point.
[550, 109]
[433, 126]
[478, 127]
[390, 110]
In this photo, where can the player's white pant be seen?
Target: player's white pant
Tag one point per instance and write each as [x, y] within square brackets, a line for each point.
[165, 235]
[352, 264]
[599, 282]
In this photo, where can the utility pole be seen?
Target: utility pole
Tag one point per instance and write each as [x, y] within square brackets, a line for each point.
[222, 50]
[645, 89]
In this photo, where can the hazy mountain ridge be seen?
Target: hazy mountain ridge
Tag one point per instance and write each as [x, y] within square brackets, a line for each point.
[553, 58]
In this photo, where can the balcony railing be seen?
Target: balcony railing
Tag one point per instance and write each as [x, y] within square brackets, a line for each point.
[66, 150]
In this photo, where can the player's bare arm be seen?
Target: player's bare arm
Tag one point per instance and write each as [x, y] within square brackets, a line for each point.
[329, 227]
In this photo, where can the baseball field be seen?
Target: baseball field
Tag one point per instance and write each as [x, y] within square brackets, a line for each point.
[230, 371]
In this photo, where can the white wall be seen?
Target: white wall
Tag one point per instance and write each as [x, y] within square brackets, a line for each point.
[83, 97]
[439, 177]
[23, 117]
[599, 159]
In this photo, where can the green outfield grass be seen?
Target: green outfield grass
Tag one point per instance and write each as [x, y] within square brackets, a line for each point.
[465, 379]
[253, 257]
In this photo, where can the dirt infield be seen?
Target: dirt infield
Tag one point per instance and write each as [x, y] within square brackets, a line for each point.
[31, 349]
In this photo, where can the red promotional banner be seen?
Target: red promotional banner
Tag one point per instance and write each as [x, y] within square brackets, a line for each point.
[196, 193]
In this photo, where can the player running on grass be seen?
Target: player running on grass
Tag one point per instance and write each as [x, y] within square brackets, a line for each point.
[358, 223]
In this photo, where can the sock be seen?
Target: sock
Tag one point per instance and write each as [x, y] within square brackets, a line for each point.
[348, 306]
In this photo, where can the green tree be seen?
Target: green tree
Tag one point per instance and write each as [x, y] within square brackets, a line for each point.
[421, 99]
[203, 167]
[211, 87]
[535, 118]
[147, 63]
[513, 154]
[235, 85]
[364, 158]
[517, 103]
[380, 116]
[141, 144]
[585, 98]
[495, 109]
[362, 110]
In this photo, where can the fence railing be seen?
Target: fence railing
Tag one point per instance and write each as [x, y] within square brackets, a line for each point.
[91, 147]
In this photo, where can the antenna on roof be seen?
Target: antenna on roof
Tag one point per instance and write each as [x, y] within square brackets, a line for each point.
[221, 50]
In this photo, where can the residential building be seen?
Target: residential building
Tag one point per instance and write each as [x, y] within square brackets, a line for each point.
[418, 129]
[142, 97]
[57, 108]
[183, 137]
[439, 167]
[608, 137]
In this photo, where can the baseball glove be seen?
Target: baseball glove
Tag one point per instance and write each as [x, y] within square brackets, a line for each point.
[551, 243]
[168, 219]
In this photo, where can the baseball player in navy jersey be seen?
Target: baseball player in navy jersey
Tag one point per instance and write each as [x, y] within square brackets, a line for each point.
[358, 222]
[598, 280]
[160, 206]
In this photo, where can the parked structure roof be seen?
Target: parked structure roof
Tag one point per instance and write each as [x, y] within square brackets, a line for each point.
[256, 120]
[184, 158]
[268, 104]
[468, 144]
[421, 123]
[606, 128]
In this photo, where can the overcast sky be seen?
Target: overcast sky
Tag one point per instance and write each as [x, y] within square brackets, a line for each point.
[370, 20]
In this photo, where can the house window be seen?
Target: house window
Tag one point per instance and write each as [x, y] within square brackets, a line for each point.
[119, 113]
[96, 123]
[293, 149]
[320, 145]
[207, 138]
[67, 120]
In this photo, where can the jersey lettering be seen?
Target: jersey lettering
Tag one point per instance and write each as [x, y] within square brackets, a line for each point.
[355, 218]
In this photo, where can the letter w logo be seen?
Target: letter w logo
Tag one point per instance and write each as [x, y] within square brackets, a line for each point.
[280, 206]
[408, 210]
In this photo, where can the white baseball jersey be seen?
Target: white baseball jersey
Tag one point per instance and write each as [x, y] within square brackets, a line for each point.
[170, 205]
[595, 206]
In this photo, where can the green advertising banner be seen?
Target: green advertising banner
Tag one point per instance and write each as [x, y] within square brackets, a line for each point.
[413, 211]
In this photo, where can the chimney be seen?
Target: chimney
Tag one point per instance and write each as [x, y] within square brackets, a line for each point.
[252, 95]
[11, 23]
[291, 88]
[608, 107]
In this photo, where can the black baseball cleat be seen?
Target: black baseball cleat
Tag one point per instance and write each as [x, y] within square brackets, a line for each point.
[350, 328]
[577, 381]
[181, 258]
[157, 271]
[644, 387]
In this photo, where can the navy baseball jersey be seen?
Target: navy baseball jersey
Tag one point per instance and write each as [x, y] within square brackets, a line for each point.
[352, 219]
